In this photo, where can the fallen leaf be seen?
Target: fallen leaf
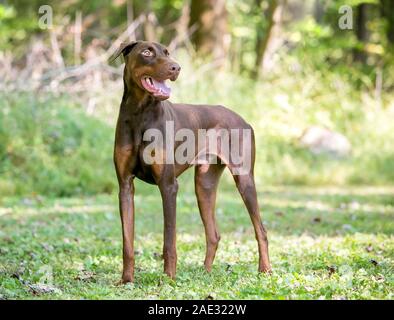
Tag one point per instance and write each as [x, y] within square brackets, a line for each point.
[308, 288]
[27, 202]
[348, 227]
[354, 205]
[41, 288]
[157, 256]
[374, 262]
[379, 278]
[17, 276]
[369, 248]
[8, 240]
[331, 270]
[47, 247]
[33, 255]
[85, 276]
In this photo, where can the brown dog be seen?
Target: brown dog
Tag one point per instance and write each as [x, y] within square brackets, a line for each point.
[145, 106]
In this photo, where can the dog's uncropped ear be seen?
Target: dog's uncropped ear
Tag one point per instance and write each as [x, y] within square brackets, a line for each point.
[124, 48]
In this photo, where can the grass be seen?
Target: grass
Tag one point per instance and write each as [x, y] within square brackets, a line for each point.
[60, 234]
[326, 243]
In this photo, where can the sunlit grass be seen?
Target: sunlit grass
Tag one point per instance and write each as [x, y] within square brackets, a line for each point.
[325, 244]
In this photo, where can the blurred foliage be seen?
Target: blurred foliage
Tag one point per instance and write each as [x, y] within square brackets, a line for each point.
[48, 145]
[18, 21]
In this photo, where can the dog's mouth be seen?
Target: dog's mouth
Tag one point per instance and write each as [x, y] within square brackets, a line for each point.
[157, 88]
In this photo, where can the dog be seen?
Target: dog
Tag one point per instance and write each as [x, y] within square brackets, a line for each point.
[145, 106]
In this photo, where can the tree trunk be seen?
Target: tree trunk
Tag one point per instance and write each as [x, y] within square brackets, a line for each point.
[361, 32]
[149, 27]
[388, 12]
[318, 11]
[210, 20]
[265, 44]
[130, 18]
[182, 31]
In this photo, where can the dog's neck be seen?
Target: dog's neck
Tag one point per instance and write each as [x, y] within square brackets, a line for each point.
[135, 99]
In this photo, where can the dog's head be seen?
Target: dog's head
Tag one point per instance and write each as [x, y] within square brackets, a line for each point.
[148, 66]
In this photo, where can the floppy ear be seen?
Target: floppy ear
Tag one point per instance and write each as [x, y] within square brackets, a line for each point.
[125, 48]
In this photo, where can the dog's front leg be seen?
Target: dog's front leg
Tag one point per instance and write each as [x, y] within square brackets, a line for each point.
[169, 188]
[124, 162]
[126, 204]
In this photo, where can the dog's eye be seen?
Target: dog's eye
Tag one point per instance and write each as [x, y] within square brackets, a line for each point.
[147, 53]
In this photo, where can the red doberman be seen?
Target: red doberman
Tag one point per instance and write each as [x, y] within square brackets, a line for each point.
[144, 107]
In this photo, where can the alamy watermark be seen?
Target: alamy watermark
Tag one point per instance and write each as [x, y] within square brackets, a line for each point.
[46, 17]
[206, 146]
[345, 22]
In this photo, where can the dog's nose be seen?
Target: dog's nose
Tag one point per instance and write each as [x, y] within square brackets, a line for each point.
[174, 67]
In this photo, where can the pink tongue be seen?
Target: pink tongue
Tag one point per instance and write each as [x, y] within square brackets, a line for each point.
[162, 87]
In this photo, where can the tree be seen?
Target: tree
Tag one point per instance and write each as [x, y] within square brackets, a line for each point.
[361, 32]
[149, 28]
[209, 18]
[265, 46]
[388, 12]
[318, 11]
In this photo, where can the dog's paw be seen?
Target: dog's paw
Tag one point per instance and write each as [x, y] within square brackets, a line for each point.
[124, 283]
[125, 280]
[265, 270]
[208, 268]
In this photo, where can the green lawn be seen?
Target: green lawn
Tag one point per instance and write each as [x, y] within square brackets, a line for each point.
[326, 243]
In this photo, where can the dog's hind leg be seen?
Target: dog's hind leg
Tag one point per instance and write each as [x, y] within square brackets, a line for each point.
[206, 181]
[247, 189]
